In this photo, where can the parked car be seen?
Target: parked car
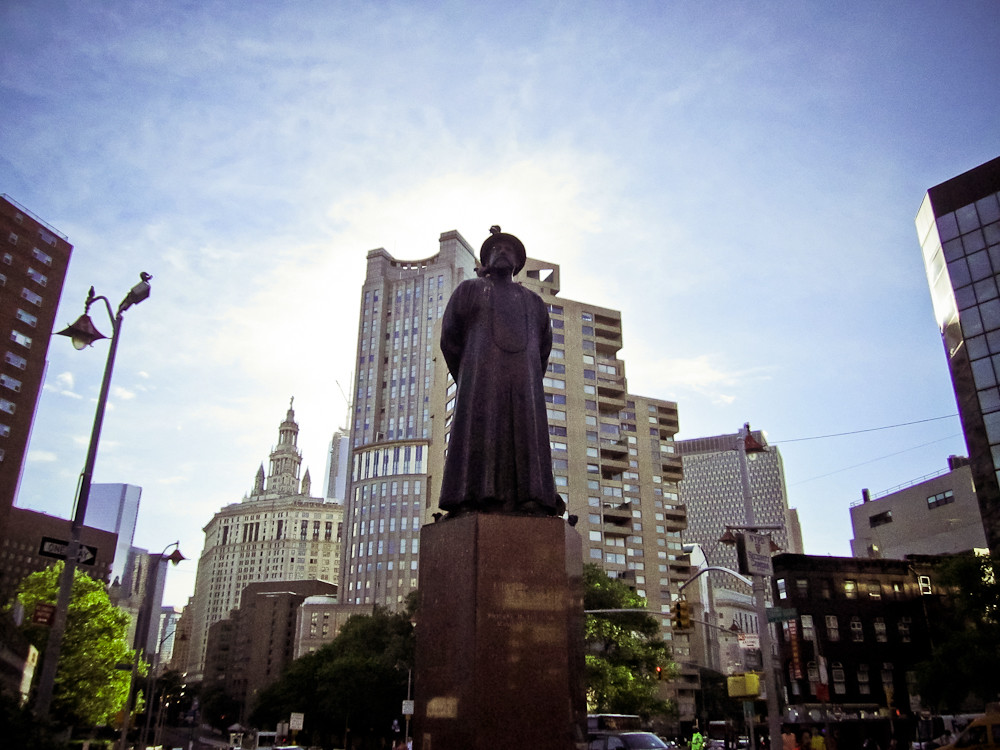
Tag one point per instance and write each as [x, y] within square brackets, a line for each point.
[981, 734]
[627, 741]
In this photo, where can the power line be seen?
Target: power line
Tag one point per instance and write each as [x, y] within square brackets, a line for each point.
[880, 458]
[858, 432]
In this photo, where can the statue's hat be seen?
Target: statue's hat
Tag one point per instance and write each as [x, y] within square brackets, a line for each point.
[495, 236]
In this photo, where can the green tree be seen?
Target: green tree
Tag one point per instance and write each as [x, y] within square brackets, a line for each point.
[89, 687]
[358, 680]
[623, 650]
[963, 671]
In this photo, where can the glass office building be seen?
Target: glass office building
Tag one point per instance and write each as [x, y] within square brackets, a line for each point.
[958, 225]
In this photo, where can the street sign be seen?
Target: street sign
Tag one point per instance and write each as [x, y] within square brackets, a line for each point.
[754, 551]
[43, 613]
[407, 708]
[749, 640]
[296, 722]
[57, 548]
[780, 614]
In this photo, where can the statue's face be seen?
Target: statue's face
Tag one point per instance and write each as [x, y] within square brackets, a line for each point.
[504, 256]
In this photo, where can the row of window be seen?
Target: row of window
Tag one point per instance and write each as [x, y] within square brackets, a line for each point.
[850, 589]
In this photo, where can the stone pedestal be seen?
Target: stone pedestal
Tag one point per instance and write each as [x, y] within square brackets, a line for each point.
[499, 635]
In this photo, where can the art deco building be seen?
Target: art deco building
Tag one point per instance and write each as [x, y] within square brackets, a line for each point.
[958, 226]
[277, 533]
[937, 515]
[34, 261]
[612, 451]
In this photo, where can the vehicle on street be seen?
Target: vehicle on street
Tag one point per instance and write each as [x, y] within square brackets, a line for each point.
[981, 734]
[627, 741]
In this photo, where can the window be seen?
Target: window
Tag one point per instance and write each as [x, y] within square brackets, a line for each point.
[26, 317]
[12, 383]
[35, 299]
[13, 359]
[782, 591]
[808, 631]
[925, 585]
[837, 672]
[941, 498]
[19, 338]
[857, 631]
[851, 589]
[864, 683]
[903, 626]
[880, 519]
[879, 627]
[832, 628]
[802, 588]
[43, 257]
[7, 406]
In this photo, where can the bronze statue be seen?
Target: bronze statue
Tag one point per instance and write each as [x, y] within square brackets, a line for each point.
[496, 337]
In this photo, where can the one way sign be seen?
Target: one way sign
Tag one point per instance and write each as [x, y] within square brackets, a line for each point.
[57, 548]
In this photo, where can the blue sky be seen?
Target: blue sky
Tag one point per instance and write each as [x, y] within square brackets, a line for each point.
[739, 179]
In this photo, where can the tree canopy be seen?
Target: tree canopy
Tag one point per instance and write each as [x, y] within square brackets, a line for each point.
[357, 681]
[90, 689]
[963, 671]
[623, 650]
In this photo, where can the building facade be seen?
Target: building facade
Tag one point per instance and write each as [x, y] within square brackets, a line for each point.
[713, 492]
[390, 493]
[249, 649]
[958, 226]
[859, 629]
[613, 454]
[34, 261]
[279, 532]
[115, 508]
[937, 515]
[33, 541]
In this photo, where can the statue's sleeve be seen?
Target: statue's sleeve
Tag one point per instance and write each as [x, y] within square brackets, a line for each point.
[453, 328]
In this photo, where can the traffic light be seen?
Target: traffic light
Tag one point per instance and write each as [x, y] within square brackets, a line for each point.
[659, 672]
[683, 621]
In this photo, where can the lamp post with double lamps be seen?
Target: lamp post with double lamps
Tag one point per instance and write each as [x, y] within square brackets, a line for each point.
[83, 333]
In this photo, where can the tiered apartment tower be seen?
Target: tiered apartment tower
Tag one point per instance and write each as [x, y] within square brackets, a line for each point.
[34, 261]
[958, 226]
[277, 533]
[613, 455]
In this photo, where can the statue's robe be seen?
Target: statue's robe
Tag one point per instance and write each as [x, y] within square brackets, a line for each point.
[496, 338]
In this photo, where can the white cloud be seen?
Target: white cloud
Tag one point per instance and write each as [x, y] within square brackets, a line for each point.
[41, 457]
[63, 384]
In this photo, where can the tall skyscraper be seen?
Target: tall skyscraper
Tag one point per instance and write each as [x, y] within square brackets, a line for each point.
[713, 492]
[35, 257]
[958, 226]
[115, 508]
[277, 533]
[397, 359]
[612, 452]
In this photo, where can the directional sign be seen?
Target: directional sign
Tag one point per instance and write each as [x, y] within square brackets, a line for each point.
[780, 614]
[57, 548]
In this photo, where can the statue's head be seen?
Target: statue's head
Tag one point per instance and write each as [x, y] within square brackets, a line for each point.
[495, 238]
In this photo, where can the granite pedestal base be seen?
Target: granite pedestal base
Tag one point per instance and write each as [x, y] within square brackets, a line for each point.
[499, 659]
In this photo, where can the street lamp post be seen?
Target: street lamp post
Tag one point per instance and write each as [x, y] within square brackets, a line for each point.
[83, 333]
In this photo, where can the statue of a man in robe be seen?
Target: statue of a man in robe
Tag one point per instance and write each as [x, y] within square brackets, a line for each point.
[496, 337]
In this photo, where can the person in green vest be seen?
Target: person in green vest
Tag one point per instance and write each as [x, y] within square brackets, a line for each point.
[697, 741]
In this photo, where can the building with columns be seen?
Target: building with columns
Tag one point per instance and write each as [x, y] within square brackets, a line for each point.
[278, 532]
